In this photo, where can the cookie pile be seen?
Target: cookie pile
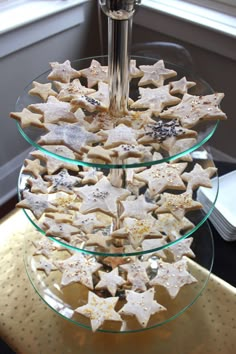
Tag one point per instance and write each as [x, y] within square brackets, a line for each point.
[124, 218]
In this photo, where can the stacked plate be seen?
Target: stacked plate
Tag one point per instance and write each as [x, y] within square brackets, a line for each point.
[223, 216]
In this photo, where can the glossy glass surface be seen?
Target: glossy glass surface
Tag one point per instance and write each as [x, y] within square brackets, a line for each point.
[170, 232]
[204, 129]
[65, 299]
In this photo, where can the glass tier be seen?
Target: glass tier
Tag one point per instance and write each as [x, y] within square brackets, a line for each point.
[157, 293]
[169, 139]
[120, 212]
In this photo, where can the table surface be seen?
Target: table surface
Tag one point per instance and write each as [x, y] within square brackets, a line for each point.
[29, 326]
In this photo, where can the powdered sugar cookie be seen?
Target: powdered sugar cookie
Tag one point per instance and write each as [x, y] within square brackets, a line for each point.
[87, 223]
[90, 175]
[99, 310]
[95, 73]
[193, 109]
[62, 72]
[62, 181]
[38, 185]
[98, 239]
[119, 135]
[173, 276]
[137, 208]
[155, 74]
[181, 86]
[33, 167]
[37, 203]
[137, 274]
[181, 249]
[141, 305]
[46, 265]
[110, 281]
[172, 227]
[177, 204]
[155, 99]
[54, 110]
[199, 177]
[71, 90]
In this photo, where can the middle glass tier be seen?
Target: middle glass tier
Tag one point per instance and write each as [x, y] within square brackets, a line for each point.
[121, 212]
[76, 115]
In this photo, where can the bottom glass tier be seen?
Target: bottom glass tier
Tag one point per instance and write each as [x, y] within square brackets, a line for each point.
[142, 292]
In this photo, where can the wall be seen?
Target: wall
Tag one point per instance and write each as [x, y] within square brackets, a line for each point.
[18, 69]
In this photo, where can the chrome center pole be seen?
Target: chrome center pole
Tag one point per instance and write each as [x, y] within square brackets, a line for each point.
[120, 17]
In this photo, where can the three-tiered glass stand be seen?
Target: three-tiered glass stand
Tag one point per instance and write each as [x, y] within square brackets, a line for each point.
[121, 244]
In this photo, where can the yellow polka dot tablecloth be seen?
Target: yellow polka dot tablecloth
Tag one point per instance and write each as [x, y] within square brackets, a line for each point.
[29, 326]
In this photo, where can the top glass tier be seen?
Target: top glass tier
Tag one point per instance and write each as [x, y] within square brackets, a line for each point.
[147, 135]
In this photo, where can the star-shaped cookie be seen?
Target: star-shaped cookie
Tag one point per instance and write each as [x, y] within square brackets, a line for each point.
[155, 74]
[181, 86]
[38, 185]
[54, 111]
[45, 247]
[95, 73]
[33, 167]
[28, 118]
[177, 204]
[199, 177]
[42, 90]
[73, 136]
[99, 310]
[137, 230]
[61, 230]
[110, 281]
[148, 245]
[193, 109]
[155, 99]
[137, 274]
[37, 203]
[173, 276]
[78, 268]
[62, 181]
[90, 175]
[53, 164]
[101, 197]
[172, 227]
[163, 176]
[119, 135]
[71, 90]
[141, 305]
[182, 248]
[63, 72]
[98, 239]
[46, 265]
[88, 222]
[137, 208]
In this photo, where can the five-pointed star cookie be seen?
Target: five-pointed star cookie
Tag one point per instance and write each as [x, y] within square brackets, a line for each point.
[137, 274]
[119, 135]
[61, 230]
[54, 110]
[176, 146]
[110, 281]
[63, 72]
[173, 276]
[53, 164]
[115, 261]
[126, 151]
[172, 227]
[137, 208]
[33, 167]
[62, 181]
[177, 204]
[98, 153]
[155, 74]
[95, 73]
[193, 109]
[182, 248]
[42, 90]
[155, 99]
[88, 222]
[71, 90]
[60, 217]
[46, 265]
[38, 185]
[27, 118]
[101, 197]
[199, 177]
[45, 247]
[163, 176]
[141, 305]
[137, 230]
[64, 201]
[78, 268]
[90, 175]
[73, 136]
[181, 86]
[148, 245]
[37, 203]
[99, 310]
[157, 132]
[98, 239]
